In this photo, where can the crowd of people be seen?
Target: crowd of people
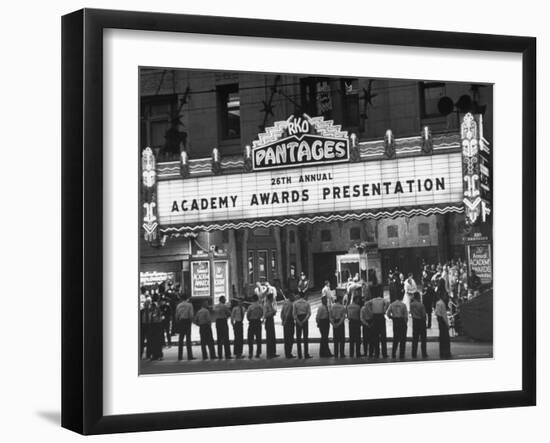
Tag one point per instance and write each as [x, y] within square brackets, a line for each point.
[442, 288]
[157, 318]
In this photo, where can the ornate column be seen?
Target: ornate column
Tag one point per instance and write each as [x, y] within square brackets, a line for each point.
[245, 258]
[298, 251]
[279, 254]
[287, 257]
[309, 255]
[234, 262]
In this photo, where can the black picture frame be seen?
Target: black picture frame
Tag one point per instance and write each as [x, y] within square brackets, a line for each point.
[82, 215]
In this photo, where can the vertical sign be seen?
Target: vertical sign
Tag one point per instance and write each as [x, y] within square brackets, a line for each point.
[479, 257]
[221, 286]
[200, 278]
[149, 190]
[475, 170]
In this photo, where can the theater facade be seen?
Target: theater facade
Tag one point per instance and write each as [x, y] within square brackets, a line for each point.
[307, 189]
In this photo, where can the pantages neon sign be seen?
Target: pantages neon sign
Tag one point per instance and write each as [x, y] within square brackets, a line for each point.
[300, 141]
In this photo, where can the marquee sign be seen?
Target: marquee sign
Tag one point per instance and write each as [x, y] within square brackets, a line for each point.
[307, 170]
[300, 141]
[337, 191]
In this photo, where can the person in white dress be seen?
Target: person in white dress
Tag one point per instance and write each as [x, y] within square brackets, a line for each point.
[409, 288]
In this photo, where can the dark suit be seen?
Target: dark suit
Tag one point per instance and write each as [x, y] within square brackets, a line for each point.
[184, 329]
[239, 338]
[428, 302]
[288, 331]
[324, 328]
[222, 332]
[444, 339]
[419, 333]
[270, 337]
[302, 336]
[379, 334]
[255, 333]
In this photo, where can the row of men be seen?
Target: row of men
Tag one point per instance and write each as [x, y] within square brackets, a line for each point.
[366, 326]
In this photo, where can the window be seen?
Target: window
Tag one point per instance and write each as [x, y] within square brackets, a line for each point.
[371, 230]
[157, 118]
[430, 94]
[230, 111]
[262, 265]
[392, 231]
[261, 232]
[325, 235]
[225, 236]
[355, 233]
[291, 237]
[423, 229]
[350, 102]
[316, 96]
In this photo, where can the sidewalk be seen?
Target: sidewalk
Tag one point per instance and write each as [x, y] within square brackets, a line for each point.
[463, 349]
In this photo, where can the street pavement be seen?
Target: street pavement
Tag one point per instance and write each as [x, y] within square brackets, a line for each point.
[460, 349]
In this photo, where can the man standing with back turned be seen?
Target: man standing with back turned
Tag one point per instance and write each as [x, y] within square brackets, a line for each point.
[337, 316]
[221, 314]
[204, 322]
[237, 317]
[184, 318]
[287, 319]
[418, 314]
[270, 309]
[254, 315]
[399, 314]
[302, 312]
[354, 323]
[378, 307]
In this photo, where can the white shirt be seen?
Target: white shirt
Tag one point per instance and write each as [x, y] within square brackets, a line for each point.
[410, 286]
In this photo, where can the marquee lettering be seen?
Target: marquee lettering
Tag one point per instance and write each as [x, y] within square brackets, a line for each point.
[300, 141]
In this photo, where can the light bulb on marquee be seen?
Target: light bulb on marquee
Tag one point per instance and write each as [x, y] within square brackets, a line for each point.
[216, 166]
[184, 164]
[215, 155]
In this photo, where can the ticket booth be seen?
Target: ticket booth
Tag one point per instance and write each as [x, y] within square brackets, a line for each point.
[350, 266]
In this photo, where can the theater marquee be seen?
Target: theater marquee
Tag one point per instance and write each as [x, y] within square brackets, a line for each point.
[307, 170]
[351, 188]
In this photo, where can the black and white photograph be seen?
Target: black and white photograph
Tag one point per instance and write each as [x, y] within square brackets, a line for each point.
[272, 222]
[291, 220]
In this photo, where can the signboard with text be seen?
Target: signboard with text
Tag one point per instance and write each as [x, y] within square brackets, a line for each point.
[221, 282]
[200, 278]
[300, 141]
[334, 189]
[155, 277]
[479, 258]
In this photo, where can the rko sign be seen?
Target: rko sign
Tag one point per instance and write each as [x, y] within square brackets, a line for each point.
[300, 141]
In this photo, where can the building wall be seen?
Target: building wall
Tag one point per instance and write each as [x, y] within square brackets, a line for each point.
[408, 232]
[395, 104]
[398, 105]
